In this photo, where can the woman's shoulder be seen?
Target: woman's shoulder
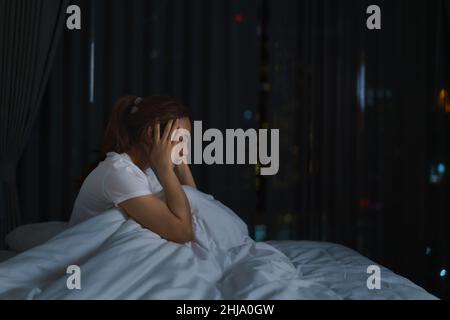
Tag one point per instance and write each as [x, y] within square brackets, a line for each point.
[120, 169]
[120, 164]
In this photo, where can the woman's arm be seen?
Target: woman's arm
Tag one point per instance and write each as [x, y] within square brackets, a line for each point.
[184, 174]
[154, 214]
[176, 199]
[170, 219]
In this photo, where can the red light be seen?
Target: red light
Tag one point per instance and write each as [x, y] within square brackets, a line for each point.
[239, 18]
[364, 203]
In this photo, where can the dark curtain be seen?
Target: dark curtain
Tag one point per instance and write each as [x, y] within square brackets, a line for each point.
[28, 36]
[313, 61]
[362, 130]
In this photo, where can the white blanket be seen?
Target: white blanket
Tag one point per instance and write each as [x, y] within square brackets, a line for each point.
[119, 259]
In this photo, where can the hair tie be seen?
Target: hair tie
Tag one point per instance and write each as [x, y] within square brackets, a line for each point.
[135, 108]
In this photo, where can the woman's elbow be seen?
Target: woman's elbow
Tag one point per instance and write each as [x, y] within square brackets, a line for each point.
[186, 236]
[184, 239]
[189, 236]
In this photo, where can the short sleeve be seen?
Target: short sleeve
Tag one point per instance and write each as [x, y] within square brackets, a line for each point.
[122, 184]
[153, 181]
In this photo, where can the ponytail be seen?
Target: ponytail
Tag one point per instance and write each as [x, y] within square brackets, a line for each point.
[117, 136]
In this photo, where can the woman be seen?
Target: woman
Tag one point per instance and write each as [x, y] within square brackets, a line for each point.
[137, 174]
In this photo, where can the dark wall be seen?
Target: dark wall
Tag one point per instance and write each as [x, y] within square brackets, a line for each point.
[364, 135]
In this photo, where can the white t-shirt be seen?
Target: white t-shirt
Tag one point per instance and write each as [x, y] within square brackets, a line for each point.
[115, 180]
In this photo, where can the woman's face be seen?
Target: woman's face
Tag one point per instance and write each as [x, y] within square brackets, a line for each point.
[182, 133]
[185, 123]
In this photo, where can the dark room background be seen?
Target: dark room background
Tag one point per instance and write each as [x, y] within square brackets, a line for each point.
[364, 116]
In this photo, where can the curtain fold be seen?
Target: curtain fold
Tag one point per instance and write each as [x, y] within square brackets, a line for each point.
[28, 35]
[315, 48]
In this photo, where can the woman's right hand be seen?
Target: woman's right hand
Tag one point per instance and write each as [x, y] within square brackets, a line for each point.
[160, 154]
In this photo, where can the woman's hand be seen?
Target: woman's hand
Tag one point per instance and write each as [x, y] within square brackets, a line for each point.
[160, 155]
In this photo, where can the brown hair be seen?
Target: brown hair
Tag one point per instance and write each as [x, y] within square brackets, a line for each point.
[129, 122]
[132, 116]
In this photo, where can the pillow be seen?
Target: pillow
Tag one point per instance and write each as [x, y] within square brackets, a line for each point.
[216, 226]
[32, 235]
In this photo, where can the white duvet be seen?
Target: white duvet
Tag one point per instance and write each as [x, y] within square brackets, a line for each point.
[119, 259]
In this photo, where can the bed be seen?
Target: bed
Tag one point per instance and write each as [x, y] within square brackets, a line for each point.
[118, 259]
[333, 266]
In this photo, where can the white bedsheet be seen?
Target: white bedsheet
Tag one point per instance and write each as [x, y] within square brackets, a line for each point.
[119, 259]
[344, 271]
